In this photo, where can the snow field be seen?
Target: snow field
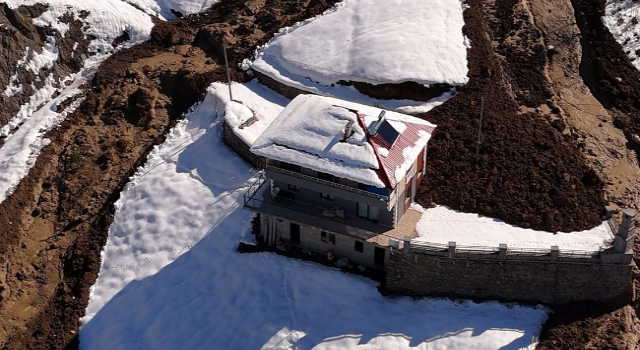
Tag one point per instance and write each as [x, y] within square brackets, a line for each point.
[162, 8]
[171, 277]
[441, 225]
[622, 18]
[368, 41]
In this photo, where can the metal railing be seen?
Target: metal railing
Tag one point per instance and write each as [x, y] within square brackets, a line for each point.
[328, 183]
[255, 186]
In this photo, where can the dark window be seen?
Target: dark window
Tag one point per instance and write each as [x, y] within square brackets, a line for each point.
[325, 176]
[290, 167]
[358, 246]
[295, 233]
[293, 188]
[328, 237]
[327, 197]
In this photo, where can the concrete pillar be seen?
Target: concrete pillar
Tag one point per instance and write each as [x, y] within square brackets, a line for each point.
[452, 249]
[407, 245]
[555, 251]
[625, 237]
[502, 251]
[609, 210]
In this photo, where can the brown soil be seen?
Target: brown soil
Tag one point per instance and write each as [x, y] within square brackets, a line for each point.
[54, 226]
[526, 172]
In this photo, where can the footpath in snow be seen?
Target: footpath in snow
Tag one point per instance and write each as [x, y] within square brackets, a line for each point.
[372, 42]
[172, 279]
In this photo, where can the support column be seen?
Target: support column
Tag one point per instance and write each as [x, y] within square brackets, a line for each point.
[625, 235]
[452, 249]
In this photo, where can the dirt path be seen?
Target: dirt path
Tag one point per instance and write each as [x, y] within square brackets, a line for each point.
[54, 226]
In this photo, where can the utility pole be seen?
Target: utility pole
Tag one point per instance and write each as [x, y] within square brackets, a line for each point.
[226, 63]
[480, 126]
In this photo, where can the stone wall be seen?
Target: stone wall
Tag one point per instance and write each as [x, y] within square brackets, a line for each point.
[511, 280]
[242, 149]
[282, 89]
[551, 276]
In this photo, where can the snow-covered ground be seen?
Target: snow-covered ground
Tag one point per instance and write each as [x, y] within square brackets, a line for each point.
[368, 41]
[250, 100]
[162, 8]
[105, 21]
[622, 17]
[441, 225]
[172, 279]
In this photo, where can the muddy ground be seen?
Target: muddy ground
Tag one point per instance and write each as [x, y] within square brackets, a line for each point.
[554, 149]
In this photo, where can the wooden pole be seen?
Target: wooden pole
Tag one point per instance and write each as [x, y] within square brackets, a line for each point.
[226, 63]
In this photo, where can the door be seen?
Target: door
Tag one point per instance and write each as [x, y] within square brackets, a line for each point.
[378, 258]
[294, 229]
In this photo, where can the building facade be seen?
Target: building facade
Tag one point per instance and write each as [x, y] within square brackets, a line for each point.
[342, 216]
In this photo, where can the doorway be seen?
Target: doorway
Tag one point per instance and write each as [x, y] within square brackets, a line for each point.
[294, 229]
[378, 258]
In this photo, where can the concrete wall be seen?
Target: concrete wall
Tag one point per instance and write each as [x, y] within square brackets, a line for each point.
[242, 149]
[513, 280]
[310, 237]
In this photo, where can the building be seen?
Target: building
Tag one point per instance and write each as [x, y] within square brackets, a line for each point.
[339, 179]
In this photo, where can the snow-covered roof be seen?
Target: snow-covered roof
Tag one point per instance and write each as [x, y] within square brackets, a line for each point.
[310, 132]
[374, 42]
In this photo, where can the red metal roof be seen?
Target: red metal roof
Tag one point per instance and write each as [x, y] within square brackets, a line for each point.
[407, 138]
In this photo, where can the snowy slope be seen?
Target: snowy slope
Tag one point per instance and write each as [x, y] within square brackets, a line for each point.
[172, 279]
[622, 18]
[441, 225]
[105, 20]
[162, 8]
[375, 42]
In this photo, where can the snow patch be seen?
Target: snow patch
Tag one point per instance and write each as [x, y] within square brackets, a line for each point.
[366, 41]
[441, 225]
[622, 18]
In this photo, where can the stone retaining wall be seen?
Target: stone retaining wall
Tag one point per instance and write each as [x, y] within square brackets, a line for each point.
[242, 149]
[511, 280]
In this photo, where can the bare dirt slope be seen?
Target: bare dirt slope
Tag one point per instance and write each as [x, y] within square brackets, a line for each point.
[54, 226]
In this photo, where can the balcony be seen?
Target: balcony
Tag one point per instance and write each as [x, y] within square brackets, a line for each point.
[384, 198]
[309, 215]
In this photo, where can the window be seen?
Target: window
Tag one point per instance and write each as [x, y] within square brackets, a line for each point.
[325, 176]
[367, 211]
[293, 188]
[409, 190]
[358, 246]
[327, 197]
[290, 167]
[328, 237]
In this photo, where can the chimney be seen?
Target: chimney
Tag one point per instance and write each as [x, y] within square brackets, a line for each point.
[348, 131]
[378, 123]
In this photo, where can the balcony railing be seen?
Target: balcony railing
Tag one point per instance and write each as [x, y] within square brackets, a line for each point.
[329, 183]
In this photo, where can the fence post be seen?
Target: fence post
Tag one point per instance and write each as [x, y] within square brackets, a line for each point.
[407, 245]
[502, 251]
[555, 251]
[452, 249]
